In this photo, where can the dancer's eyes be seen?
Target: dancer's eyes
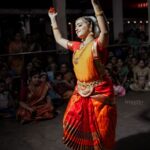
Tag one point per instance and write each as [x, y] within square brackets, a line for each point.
[78, 25]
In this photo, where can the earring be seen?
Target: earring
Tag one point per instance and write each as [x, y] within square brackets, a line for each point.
[91, 33]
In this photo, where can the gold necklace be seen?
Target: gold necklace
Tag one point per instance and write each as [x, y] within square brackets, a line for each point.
[82, 48]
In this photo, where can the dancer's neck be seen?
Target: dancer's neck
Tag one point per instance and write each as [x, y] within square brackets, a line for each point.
[87, 40]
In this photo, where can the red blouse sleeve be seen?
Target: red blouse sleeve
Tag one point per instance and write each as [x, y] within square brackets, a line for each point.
[103, 52]
[73, 45]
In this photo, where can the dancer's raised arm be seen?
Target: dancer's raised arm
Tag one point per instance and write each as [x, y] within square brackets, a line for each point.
[57, 35]
[102, 22]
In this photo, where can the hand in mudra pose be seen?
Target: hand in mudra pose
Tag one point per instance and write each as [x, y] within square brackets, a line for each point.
[52, 12]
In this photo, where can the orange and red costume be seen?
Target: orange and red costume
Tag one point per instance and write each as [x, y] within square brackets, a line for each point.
[89, 123]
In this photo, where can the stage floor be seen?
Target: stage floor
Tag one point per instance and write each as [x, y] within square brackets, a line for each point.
[133, 128]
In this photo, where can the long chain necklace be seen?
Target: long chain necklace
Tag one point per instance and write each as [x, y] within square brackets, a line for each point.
[82, 49]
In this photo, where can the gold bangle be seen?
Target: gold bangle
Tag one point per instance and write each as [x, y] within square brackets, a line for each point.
[99, 13]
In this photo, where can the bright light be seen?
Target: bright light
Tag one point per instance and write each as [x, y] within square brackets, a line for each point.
[128, 22]
[134, 22]
[142, 5]
[141, 21]
[146, 21]
[139, 5]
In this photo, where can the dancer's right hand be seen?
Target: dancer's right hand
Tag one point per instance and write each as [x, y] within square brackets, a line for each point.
[52, 13]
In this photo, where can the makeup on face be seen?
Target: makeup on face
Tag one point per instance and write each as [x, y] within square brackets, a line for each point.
[82, 28]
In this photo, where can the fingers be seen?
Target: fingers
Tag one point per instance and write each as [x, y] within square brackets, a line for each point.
[52, 10]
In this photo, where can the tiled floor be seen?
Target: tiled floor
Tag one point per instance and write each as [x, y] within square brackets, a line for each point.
[133, 128]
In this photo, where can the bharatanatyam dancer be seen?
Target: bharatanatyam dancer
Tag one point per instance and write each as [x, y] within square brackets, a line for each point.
[89, 121]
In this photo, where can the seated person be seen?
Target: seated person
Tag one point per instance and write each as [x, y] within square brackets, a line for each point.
[69, 80]
[64, 86]
[122, 73]
[141, 77]
[56, 99]
[119, 90]
[34, 102]
[7, 104]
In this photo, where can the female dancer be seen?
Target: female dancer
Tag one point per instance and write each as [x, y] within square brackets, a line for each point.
[90, 118]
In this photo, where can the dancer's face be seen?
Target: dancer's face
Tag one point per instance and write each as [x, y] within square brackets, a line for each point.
[82, 28]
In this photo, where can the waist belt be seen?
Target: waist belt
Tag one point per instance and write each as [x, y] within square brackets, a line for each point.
[85, 89]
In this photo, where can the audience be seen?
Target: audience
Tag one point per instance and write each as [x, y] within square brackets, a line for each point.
[56, 99]
[35, 103]
[16, 45]
[39, 84]
[141, 77]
